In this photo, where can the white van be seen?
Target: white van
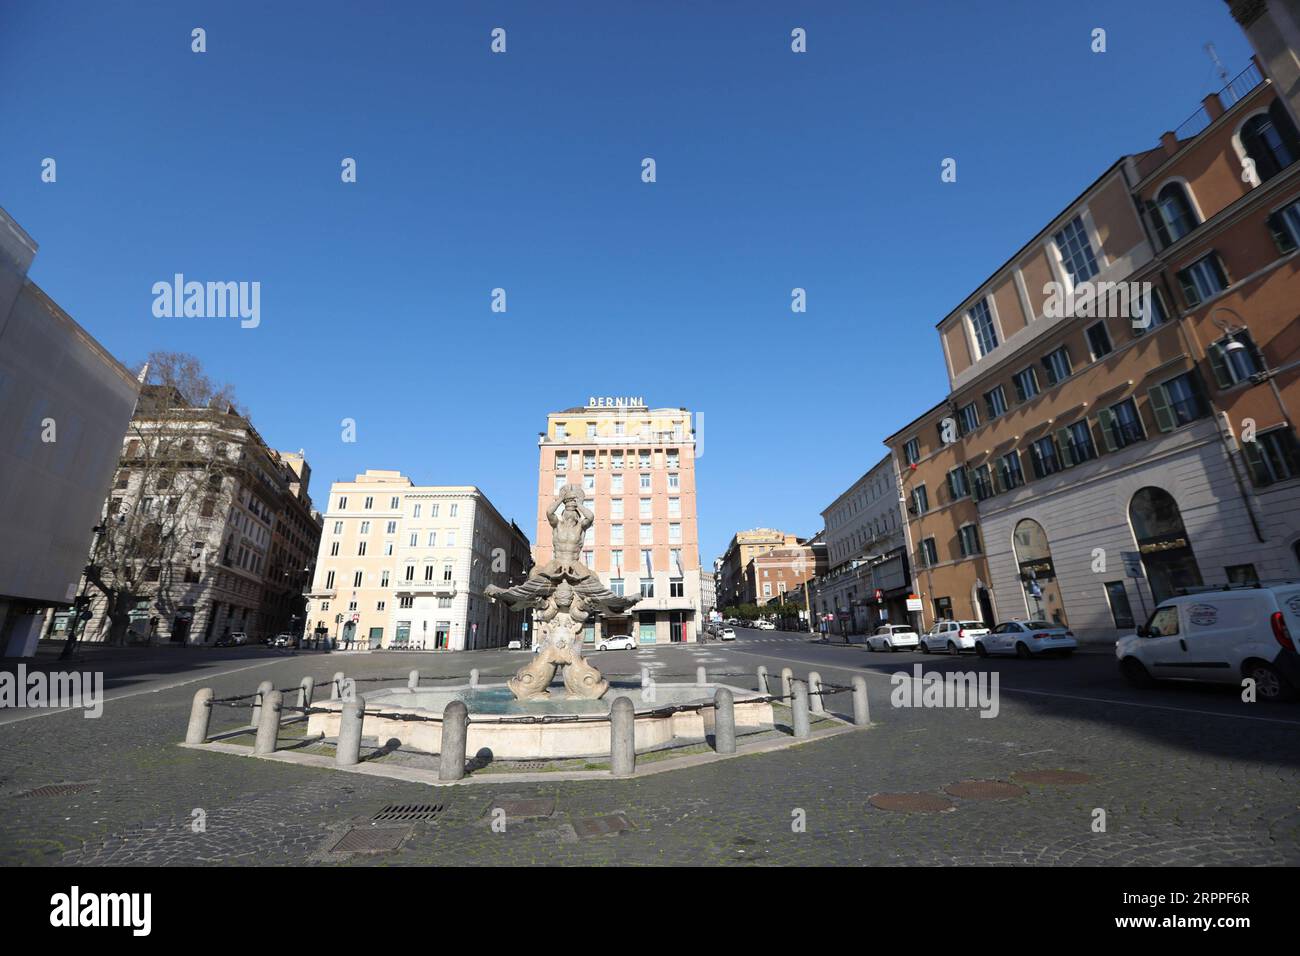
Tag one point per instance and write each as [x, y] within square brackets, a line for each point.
[1222, 637]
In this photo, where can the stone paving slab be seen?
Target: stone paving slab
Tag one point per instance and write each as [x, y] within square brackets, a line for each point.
[1175, 788]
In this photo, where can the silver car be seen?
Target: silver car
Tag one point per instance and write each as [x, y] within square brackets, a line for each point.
[1026, 639]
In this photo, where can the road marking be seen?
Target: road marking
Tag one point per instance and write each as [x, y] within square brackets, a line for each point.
[1045, 693]
[46, 712]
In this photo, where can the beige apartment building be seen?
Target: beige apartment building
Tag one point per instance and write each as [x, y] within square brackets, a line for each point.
[403, 566]
[734, 584]
[636, 465]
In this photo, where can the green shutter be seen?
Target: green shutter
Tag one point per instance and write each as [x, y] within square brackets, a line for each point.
[1064, 447]
[1255, 459]
[1281, 235]
[1106, 420]
[1160, 408]
[1218, 364]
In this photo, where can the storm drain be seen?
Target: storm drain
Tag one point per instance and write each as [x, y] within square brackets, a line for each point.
[56, 790]
[408, 812]
[371, 840]
[601, 826]
[520, 809]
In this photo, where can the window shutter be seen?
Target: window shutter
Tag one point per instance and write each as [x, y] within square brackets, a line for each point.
[1158, 224]
[1255, 459]
[1106, 420]
[1190, 294]
[1160, 408]
[999, 485]
[1219, 364]
[1281, 235]
[1065, 447]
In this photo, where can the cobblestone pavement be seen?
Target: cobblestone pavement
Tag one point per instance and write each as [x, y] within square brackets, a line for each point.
[1187, 781]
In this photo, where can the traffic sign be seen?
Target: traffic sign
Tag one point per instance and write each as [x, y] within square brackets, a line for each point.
[1133, 564]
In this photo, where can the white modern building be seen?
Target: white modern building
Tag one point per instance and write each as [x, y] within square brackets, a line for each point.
[64, 406]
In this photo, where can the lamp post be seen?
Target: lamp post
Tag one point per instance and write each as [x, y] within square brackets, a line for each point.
[81, 605]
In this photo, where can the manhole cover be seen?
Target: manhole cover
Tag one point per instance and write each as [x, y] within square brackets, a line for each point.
[409, 811]
[371, 840]
[984, 790]
[601, 826]
[1050, 776]
[56, 790]
[518, 809]
[911, 802]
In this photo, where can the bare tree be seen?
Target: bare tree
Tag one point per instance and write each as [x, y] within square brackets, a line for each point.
[181, 461]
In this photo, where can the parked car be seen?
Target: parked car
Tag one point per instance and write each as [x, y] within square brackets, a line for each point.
[1220, 637]
[726, 634]
[765, 626]
[1026, 639]
[952, 636]
[231, 640]
[515, 646]
[622, 643]
[889, 637]
[282, 640]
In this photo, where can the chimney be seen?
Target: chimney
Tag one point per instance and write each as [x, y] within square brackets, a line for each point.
[1170, 142]
[1213, 106]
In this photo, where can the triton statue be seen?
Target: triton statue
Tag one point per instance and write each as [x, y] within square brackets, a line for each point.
[568, 594]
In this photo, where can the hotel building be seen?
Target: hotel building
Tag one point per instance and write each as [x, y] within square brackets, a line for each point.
[636, 465]
[404, 566]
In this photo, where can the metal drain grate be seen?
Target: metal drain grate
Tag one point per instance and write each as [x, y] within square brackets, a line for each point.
[529, 765]
[56, 790]
[406, 812]
[371, 840]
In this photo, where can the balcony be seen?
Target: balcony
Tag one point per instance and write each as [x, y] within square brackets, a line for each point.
[417, 588]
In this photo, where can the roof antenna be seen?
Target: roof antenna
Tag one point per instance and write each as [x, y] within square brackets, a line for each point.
[1220, 68]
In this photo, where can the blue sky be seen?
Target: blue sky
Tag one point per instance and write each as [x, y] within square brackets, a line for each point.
[522, 171]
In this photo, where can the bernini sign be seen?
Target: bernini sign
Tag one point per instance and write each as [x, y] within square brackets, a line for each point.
[615, 401]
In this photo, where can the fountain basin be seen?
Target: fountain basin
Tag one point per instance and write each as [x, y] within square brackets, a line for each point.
[493, 712]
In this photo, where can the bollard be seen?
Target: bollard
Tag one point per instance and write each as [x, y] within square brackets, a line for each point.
[413, 680]
[787, 682]
[473, 677]
[762, 680]
[336, 685]
[263, 689]
[724, 722]
[645, 675]
[306, 691]
[800, 708]
[347, 753]
[861, 710]
[268, 727]
[200, 714]
[455, 721]
[622, 737]
[701, 676]
[814, 693]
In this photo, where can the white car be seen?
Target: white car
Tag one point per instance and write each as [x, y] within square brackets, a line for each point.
[515, 646]
[890, 637]
[1222, 637]
[952, 636]
[616, 644]
[765, 626]
[1026, 639]
[726, 634]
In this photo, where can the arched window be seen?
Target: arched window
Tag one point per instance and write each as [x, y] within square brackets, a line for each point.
[1270, 139]
[1037, 572]
[1174, 212]
[1163, 543]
